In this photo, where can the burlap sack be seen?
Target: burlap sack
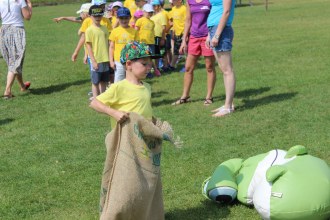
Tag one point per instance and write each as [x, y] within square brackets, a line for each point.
[131, 183]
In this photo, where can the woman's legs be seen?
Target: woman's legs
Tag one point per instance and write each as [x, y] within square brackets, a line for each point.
[225, 63]
[189, 74]
[211, 76]
[10, 82]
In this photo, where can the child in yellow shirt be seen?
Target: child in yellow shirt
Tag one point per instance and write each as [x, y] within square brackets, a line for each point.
[130, 94]
[119, 37]
[97, 47]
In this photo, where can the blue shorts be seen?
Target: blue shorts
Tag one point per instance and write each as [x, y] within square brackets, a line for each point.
[100, 75]
[225, 40]
[168, 42]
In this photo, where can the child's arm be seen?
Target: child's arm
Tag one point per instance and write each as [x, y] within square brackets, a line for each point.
[187, 25]
[111, 55]
[91, 55]
[78, 47]
[119, 116]
[27, 11]
[72, 19]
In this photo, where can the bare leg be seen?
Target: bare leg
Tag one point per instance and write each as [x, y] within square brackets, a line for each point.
[95, 90]
[225, 63]
[189, 75]
[19, 78]
[211, 75]
[10, 81]
[102, 86]
[174, 59]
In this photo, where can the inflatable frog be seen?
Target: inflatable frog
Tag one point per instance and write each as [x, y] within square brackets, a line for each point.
[280, 184]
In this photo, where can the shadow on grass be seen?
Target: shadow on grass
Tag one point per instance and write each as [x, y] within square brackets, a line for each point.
[158, 94]
[56, 88]
[6, 121]
[249, 104]
[240, 94]
[207, 210]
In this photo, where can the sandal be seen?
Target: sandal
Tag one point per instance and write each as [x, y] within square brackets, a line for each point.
[26, 86]
[208, 101]
[181, 101]
[6, 97]
[218, 109]
[222, 111]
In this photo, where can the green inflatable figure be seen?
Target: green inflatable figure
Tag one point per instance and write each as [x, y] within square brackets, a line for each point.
[280, 184]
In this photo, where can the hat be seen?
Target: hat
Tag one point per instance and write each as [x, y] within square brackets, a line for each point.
[109, 7]
[123, 12]
[98, 2]
[84, 8]
[138, 14]
[148, 8]
[155, 2]
[96, 11]
[117, 4]
[134, 50]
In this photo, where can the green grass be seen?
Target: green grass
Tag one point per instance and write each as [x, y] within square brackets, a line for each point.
[52, 144]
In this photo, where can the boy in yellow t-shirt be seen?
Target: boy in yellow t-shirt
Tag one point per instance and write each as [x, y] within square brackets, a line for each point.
[97, 47]
[178, 17]
[130, 94]
[119, 37]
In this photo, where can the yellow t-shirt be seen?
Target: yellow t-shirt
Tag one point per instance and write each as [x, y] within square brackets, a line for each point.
[88, 22]
[113, 21]
[146, 31]
[160, 23]
[178, 14]
[98, 36]
[128, 97]
[121, 36]
[167, 15]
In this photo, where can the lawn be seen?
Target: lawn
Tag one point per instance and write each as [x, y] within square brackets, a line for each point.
[52, 144]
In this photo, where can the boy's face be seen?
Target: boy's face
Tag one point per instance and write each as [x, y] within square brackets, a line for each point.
[124, 21]
[147, 14]
[139, 68]
[96, 19]
[139, 3]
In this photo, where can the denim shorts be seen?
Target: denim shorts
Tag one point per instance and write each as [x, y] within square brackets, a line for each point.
[100, 75]
[225, 40]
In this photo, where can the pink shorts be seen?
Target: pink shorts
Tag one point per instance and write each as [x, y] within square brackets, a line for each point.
[196, 46]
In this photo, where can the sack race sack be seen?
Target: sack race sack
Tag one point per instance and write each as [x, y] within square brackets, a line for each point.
[131, 183]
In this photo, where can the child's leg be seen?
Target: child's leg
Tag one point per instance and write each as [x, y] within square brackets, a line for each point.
[95, 90]
[177, 44]
[120, 73]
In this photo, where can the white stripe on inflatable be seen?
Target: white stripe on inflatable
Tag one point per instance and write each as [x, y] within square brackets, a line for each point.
[259, 191]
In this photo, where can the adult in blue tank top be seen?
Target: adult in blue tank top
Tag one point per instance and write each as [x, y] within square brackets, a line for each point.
[194, 45]
[220, 39]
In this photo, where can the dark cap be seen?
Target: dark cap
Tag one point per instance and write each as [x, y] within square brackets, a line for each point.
[123, 12]
[96, 11]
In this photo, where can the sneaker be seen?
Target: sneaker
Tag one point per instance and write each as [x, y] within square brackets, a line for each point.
[171, 68]
[157, 73]
[160, 63]
[26, 86]
[164, 69]
[183, 70]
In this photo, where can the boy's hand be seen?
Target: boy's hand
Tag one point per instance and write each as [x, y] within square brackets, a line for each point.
[57, 20]
[85, 59]
[95, 66]
[120, 116]
[112, 65]
[74, 57]
[183, 47]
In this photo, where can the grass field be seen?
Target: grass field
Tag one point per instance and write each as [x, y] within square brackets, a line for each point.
[52, 144]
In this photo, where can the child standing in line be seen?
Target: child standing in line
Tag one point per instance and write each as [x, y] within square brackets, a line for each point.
[130, 94]
[119, 37]
[160, 25]
[112, 11]
[178, 17]
[97, 47]
[137, 15]
[145, 27]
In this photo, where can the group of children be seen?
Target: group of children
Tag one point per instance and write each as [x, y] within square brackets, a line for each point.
[105, 30]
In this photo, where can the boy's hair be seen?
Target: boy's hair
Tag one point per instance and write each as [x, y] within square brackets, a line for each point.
[135, 50]
[84, 8]
[123, 12]
[96, 11]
